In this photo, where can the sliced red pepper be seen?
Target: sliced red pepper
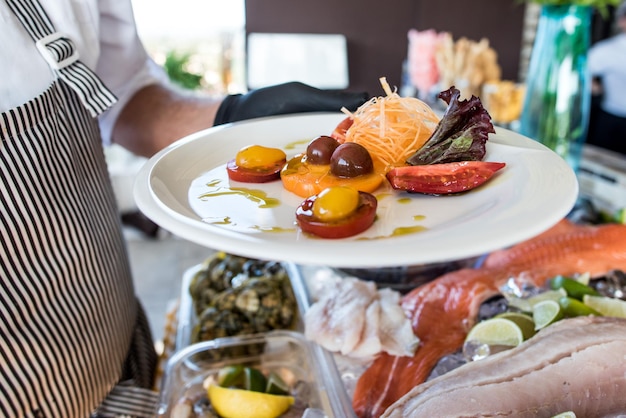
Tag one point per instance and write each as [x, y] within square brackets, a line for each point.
[256, 175]
[444, 178]
[360, 220]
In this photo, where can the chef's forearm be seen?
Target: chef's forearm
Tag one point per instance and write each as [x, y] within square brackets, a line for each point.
[157, 115]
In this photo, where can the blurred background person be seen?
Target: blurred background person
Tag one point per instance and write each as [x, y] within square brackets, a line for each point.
[607, 64]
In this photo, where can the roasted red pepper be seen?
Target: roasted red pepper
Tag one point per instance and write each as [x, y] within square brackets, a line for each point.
[444, 178]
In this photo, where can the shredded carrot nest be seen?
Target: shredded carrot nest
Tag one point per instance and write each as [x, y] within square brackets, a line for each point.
[391, 128]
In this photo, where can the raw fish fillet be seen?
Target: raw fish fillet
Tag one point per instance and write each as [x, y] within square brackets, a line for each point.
[443, 310]
[355, 319]
[574, 365]
[337, 320]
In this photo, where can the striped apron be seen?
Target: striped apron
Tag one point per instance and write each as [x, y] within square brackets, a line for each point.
[74, 341]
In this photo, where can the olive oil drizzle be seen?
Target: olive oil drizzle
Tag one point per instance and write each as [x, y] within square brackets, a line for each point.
[257, 196]
[276, 229]
[297, 144]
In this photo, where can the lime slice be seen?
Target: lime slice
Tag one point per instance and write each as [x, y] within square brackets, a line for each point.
[554, 295]
[574, 288]
[584, 278]
[568, 414]
[239, 403]
[526, 304]
[230, 376]
[276, 385]
[496, 331]
[524, 322]
[573, 307]
[606, 306]
[254, 380]
[545, 313]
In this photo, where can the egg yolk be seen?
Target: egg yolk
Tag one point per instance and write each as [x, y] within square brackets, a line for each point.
[335, 203]
[257, 156]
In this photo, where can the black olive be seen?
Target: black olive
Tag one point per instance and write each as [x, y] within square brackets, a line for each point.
[351, 160]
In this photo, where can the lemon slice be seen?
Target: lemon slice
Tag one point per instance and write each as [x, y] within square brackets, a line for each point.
[240, 403]
[546, 312]
[524, 322]
[496, 331]
[606, 306]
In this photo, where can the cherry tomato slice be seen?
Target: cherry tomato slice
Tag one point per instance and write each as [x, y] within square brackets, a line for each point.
[360, 220]
[257, 175]
[340, 131]
[444, 178]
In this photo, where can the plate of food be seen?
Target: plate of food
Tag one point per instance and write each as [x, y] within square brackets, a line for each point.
[187, 189]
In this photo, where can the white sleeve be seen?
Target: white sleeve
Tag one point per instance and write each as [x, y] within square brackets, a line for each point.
[596, 59]
[123, 65]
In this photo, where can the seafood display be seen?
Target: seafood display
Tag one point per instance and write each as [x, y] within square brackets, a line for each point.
[443, 311]
[547, 375]
[401, 340]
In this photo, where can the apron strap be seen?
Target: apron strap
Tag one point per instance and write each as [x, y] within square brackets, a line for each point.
[62, 56]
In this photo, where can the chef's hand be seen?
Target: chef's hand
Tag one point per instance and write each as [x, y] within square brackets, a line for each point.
[281, 99]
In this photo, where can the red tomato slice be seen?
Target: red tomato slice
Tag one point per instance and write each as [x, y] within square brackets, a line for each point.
[257, 175]
[340, 131]
[357, 222]
[443, 178]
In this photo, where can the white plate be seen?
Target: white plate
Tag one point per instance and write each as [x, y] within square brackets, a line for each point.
[534, 191]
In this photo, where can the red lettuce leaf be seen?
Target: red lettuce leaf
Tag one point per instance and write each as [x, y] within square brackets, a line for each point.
[461, 134]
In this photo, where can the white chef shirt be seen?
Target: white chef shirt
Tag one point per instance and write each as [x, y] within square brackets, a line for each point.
[607, 59]
[105, 36]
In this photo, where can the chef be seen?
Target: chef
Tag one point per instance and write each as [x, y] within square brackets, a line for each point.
[74, 341]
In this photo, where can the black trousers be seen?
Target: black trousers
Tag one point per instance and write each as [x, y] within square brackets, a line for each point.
[607, 131]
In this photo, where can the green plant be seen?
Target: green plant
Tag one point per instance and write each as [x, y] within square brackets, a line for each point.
[175, 67]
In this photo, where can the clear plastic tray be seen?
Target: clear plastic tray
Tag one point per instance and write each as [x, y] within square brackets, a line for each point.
[307, 366]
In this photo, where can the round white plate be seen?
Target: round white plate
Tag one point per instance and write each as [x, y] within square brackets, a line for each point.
[185, 190]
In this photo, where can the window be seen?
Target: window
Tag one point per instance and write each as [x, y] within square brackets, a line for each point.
[200, 42]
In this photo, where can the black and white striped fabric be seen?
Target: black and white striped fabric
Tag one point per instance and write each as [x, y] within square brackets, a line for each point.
[62, 56]
[70, 326]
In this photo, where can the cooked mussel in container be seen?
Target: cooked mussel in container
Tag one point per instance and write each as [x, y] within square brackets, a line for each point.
[234, 295]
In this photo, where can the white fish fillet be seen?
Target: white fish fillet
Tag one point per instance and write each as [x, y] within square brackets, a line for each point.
[396, 334]
[577, 364]
[354, 318]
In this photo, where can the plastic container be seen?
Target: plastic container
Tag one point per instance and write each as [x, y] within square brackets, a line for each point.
[307, 368]
[187, 318]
